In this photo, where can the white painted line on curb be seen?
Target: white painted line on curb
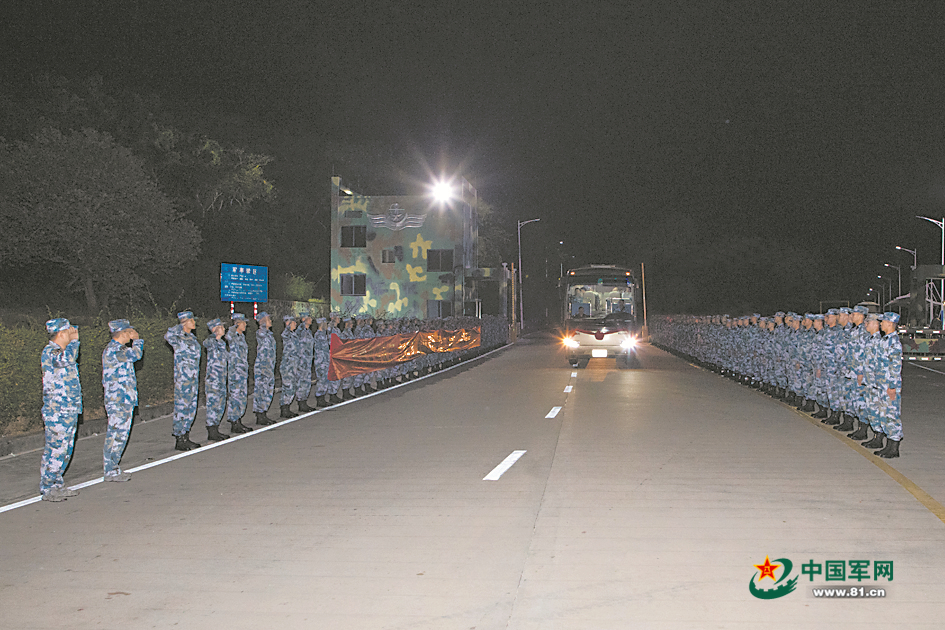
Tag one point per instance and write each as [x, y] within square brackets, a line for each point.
[573, 374]
[567, 389]
[499, 470]
[554, 412]
[255, 431]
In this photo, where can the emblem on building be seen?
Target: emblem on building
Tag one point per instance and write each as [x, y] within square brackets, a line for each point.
[397, 218]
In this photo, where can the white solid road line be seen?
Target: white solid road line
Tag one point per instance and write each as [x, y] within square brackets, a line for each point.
[256, 431]
[554, 412]
[499, 470]
[925, 368]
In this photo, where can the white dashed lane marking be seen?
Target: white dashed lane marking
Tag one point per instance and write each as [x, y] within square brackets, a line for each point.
[554, 412]
[499, 470]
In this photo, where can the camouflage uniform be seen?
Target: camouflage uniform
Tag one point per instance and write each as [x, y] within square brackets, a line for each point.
[62, 404]
[289, 362]
[888, 375]
[186, 374]
[121, 394]
[238, 373]
[346, 335]
[215, 378]
[321, 344]
[264, 378]
[305, 341]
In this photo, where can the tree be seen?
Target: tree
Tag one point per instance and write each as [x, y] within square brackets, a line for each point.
[85, 204]
[496, 236]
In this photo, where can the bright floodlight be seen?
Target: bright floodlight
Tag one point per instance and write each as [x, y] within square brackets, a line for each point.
[442, 192]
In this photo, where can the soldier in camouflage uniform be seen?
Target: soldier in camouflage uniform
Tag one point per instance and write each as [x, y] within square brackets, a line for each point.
[237, 374]
[321, 357]
[870, 392]
[62, 404]
[264, 377]
[334, 386]
[887, 381]
[856, 371]
[288, 365]
[214, 381]
[121, 392]
[186, 377]
[346, 383]
[366, 332]
[305, 350]
[844, 329]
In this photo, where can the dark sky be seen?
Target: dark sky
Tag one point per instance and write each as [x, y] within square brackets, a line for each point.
[816, 126]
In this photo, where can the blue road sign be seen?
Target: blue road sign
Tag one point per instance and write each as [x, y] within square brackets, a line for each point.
[244, 283]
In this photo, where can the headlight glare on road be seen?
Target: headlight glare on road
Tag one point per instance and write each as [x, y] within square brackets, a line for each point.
[628, 343]
[570, 342]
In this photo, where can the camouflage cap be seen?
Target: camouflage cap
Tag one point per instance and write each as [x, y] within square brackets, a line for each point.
[238, 317]
[289, 318]
[185, 315]
[874, 317]
[303, 312]
[118, 325]
[780, 314]
[859, 308]
[792, 314]
[348, 319]
[833, 311]
[845, 310]
[756, 314]
[817, 316]
[334, 314]
[57, 325]
[213, 323]
[260, 315]
[891, 317]
[321, 320]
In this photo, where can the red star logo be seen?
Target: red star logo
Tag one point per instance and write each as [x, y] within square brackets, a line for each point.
[767, 569]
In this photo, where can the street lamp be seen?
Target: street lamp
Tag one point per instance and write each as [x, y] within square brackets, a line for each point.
[899, 271]
[941, 295]
[882, 291]
[911, 251]
[521, 307]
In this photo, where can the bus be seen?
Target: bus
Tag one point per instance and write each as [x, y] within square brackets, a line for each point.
[601, 313]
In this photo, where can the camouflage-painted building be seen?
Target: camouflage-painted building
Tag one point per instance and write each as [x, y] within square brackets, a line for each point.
[405, 256]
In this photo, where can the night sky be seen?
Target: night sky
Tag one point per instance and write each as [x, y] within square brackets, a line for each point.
[780, 142]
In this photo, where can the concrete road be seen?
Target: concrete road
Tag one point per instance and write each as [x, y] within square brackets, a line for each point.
[644, 502]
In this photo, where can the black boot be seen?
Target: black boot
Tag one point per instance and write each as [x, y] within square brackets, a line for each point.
[238, 427]
[335, 399]
[808, 405]
[347, 395]
[286, 412]
[891, 450]
[833, 418]
[303, 407]
[876, 442]
[184, 443]
[322, 401]
[846, 425]
[823, 413]
[263, 420]
[860, 433]
[214, 435]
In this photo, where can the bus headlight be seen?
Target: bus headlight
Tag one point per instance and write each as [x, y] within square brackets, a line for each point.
[629, 343]
[570, 342]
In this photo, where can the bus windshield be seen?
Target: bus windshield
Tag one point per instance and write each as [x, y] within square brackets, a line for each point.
[598, 299]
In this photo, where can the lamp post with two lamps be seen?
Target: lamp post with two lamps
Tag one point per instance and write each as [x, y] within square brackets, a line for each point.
[898, 271]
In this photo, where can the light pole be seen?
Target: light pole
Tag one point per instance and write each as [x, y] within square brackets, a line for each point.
[941, 295]
[911, 251]
[899, 271]
[521, 307]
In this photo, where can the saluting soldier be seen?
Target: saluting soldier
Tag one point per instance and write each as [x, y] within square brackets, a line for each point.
[214, 380]
[62, 404]
[305, 350]
[264, 377]
[238, 373]
[186, 378]
[121, 393]
[287, 366]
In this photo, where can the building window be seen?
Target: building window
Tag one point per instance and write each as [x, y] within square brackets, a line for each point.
[440, 260]
[354, 236]
[439, 308]
[353, 284]
[388, 256]
[354, 214]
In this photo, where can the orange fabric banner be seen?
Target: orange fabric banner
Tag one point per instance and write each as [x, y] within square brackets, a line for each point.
[359, 356]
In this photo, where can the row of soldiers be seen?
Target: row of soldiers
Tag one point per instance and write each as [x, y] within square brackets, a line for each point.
[306, 353]
[306, 342]
[844, 367]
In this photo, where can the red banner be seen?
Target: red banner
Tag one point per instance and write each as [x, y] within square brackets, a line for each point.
[359, 356]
